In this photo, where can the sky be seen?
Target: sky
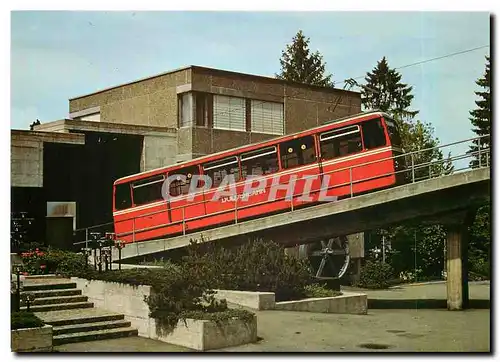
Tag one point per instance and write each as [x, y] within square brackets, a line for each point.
[59, 55]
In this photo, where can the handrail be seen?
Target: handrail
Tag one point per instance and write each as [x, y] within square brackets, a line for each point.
[408, 168]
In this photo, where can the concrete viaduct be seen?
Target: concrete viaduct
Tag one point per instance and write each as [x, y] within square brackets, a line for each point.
[450, 200]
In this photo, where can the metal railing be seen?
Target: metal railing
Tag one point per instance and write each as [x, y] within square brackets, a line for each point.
[411, 170]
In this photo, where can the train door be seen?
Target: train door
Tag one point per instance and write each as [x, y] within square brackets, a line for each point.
[338, 148]
[220, 199]
[300, 167]
[185, 209]
[149, 215]
[257, 169]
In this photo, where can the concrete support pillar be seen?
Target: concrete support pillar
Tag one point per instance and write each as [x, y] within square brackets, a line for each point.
[456, 268]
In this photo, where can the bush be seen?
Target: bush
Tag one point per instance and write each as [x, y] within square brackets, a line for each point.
[375, 275]
[254, 266]
[24, 319]
[479, 269]
[320, 291]
[52, 261]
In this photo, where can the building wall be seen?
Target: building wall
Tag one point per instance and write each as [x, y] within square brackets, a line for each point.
[158, 151]
[26, 161]
[150, 102]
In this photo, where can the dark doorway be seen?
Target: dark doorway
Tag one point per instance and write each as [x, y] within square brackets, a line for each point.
[59, 233]
[85, 174]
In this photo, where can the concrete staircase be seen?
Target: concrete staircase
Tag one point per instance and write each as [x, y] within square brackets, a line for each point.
[74, 319]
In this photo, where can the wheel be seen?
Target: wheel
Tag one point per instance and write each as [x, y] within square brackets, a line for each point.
[329, 259]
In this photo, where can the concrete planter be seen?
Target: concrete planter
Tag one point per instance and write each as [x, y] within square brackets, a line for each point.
[254, 300]
[347, 303]
[203, 335]
[197, 334]
[31, 339]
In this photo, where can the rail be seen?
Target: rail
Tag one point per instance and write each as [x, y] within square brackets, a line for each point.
[413, 171]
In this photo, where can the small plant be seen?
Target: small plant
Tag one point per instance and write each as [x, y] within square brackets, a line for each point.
[24, 319]
[320, 291]
[375, 275]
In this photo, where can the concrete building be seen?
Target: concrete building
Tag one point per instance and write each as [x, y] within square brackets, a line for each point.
[154, 122]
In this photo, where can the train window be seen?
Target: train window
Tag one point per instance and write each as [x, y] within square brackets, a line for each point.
[298, 152]
[373, 134]
[148, 190]
[219, 169]
[259, 162]
[122, 196]
[393, 132]
[178, 186]
[340, 142]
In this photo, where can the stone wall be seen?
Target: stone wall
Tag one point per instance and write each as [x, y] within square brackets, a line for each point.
[31, 339]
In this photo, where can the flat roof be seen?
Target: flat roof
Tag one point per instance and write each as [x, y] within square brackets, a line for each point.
[105, 127]
[21, 135]
[228, 72]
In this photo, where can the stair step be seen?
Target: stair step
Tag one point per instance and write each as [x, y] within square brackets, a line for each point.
[62, 306]
[78, 316]
[94, 335]
[85, 327]
[48, 286]
[58, 300]
[54, 293]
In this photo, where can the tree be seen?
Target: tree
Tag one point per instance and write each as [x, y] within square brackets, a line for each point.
[413, 245]
[385, 91]
[480, 231]
[481, 116]
[298, 64]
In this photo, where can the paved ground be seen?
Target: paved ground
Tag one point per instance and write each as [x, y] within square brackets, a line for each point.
[433, 290]
[128, 344]
[408, 330]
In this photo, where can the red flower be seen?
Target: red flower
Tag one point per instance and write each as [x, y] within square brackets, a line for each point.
[43, 266]
[25, 273]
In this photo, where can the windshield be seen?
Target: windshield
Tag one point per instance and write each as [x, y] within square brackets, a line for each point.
[393, 132]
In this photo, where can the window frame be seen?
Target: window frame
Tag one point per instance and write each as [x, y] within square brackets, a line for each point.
[215, 164]
[338, 135]
[144, 182]
[382, 128]
[121, 185]
[243, 108]
[258, 153]
[188, 181]
[282, 167]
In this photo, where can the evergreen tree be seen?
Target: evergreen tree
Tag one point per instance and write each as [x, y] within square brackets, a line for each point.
[385, 91]
[480, 231]
[481, 116]
[413, 245]
[298, 64]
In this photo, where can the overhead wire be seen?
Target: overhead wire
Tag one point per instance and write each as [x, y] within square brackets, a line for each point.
[351, 82]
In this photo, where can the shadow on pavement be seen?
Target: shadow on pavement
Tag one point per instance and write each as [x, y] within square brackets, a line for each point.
[421, 304]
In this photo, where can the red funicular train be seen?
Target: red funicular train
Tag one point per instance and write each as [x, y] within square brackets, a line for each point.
[141, 212]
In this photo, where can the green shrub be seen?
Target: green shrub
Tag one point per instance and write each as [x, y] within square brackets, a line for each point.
[24, 319]
[254, 266]
[52, 261]
[320, 291]
[375, 275]
[479, 269]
